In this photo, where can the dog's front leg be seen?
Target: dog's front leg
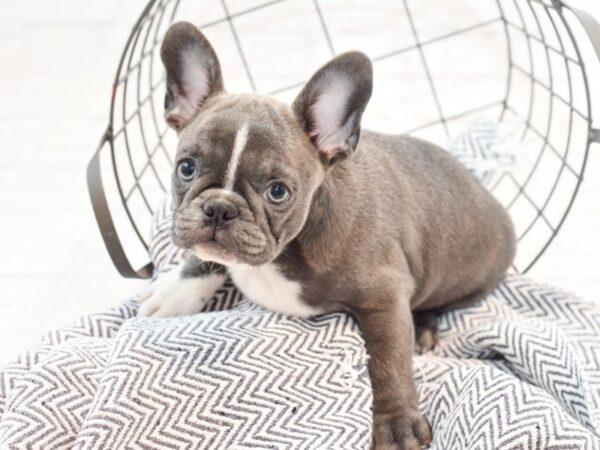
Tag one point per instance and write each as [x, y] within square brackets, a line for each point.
[184, 290]
[388, 332]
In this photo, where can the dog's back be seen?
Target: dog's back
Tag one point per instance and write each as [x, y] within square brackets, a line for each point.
[458, 239]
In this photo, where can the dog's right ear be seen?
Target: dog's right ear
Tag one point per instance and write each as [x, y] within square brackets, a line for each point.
[331, 104]
[193, 73]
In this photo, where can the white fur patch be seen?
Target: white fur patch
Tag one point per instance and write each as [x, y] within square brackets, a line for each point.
[266, 286]
[171, 295]
[238, 147]
[328, 113]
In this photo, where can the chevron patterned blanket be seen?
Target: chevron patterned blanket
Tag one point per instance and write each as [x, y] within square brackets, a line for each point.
[519, 370]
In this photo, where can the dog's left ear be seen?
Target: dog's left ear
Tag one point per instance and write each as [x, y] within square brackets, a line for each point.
[331, 105]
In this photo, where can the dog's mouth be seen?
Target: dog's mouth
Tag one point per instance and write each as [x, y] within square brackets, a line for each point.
[215, 244]
[215, 252]
[227, 244]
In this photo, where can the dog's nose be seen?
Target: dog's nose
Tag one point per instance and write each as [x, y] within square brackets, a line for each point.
[217, 212]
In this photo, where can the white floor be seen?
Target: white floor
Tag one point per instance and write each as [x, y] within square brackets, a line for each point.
[58, 60]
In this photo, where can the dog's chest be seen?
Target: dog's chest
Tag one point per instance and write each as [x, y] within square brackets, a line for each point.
[266, 286]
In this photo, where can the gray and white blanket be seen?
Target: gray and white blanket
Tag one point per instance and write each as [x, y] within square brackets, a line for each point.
[519, 370]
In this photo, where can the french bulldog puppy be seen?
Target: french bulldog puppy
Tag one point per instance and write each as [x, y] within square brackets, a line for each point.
[309, 215]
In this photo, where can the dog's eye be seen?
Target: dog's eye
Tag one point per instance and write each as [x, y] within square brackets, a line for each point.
[186, 170]
[277, 193]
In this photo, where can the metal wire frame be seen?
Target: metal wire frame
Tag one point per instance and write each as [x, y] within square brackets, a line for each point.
[141, 51]
[558, 7]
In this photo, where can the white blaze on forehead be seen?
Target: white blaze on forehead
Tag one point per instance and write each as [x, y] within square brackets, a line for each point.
[238, 147]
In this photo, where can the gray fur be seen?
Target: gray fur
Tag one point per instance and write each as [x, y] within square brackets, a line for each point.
[400, 226]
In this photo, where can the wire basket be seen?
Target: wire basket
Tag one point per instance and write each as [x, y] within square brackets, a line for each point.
[438, 66]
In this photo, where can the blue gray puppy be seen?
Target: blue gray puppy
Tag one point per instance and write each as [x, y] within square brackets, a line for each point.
[309, 215]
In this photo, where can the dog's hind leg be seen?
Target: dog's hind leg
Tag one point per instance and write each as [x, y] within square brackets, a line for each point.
[427, 333]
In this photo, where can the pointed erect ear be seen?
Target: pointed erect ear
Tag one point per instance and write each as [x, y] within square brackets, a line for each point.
[331, 105]
[193, 73]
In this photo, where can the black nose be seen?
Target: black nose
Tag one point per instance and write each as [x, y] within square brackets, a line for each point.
[217, 212]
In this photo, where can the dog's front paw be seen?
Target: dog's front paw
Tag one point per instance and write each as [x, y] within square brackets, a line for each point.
[172, 295]
[405, 430]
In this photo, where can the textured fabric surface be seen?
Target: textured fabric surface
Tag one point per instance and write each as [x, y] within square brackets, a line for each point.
[487, 149]
[519, 370]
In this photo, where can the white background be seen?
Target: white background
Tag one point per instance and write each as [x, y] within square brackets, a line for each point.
[57, 63]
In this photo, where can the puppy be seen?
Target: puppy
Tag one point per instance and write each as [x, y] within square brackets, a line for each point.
[309, 215]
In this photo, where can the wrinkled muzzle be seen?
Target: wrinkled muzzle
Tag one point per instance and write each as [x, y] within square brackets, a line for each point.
[220, 226]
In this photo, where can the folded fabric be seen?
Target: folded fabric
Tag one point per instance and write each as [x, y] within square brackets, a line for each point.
[518, 370]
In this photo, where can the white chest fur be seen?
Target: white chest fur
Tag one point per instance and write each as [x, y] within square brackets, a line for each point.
[266, 286]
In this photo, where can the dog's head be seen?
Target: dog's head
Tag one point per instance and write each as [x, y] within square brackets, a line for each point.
[247, 167]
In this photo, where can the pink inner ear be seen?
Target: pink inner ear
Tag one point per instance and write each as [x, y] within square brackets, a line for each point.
[327, 116]
[195, 77]
[195, 87]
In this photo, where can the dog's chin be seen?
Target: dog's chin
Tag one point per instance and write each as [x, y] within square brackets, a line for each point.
[215, 252]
